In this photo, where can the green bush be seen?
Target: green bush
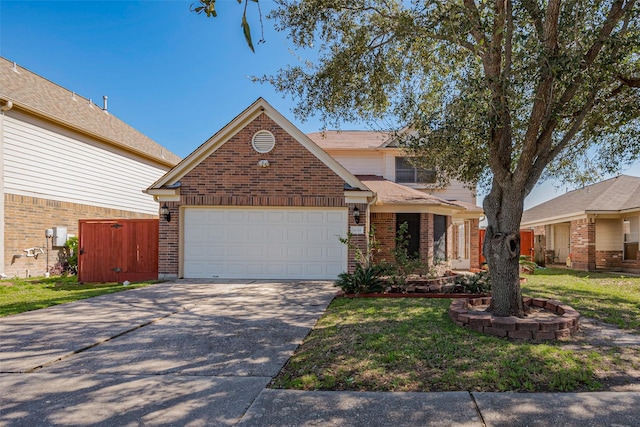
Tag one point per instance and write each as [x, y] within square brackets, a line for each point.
[71, 247]
[364, 280]
[478, 283]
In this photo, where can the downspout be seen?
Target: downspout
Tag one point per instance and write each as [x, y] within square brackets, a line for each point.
[7, 105]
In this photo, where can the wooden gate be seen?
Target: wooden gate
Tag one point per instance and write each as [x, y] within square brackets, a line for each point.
[115, 250]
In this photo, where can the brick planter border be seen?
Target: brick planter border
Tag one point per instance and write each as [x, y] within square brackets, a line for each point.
[561, 327]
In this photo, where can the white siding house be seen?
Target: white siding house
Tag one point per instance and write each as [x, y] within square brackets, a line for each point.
[64, 158]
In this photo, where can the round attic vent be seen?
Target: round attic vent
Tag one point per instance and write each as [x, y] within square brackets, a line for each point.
[263, 141]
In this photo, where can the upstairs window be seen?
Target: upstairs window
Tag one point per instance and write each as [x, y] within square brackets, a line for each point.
[407, 173]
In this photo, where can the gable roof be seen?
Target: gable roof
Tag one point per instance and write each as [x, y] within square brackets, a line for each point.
[36, 95]
[614, 195]
[351, 139]
[170, 180]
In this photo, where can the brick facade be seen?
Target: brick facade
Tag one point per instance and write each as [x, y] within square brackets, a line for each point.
[27, 218]
[583, 244]
[426, 237]
[385, 233]
[230, 176]
[385, 228]
[608, 259]
[474, 242]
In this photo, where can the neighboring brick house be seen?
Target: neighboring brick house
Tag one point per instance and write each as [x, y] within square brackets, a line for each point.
[596, 227]
[64, 158]
[262, 200]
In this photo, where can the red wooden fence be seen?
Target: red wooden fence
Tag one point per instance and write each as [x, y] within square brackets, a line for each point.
[116, 250]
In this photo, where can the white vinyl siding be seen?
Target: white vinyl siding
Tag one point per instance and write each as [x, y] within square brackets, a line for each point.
[455, 191]
[264, 243]
[609, 236]
[360, 163]
[45, 161]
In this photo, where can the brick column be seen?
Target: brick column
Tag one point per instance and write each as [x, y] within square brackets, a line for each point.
[583, 244]
[169, 243]
[385, 225]
[358, 241]
[474, 243]
[426, 237]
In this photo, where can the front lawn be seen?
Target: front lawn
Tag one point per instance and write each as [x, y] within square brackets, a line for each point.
[19, 295]
[412, 345]
[612, 298]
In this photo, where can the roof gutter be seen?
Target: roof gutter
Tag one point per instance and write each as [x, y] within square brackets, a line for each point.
[8, 105]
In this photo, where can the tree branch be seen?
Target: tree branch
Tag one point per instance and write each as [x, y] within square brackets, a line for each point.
[531, 143]
[536, 16]
[629, 81]
[545, 157]
[476, 27]
[616, 12]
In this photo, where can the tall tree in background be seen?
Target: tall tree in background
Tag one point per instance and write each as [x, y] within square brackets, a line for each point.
[496, 93]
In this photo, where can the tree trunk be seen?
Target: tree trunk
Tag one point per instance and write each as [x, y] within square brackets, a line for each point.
[503, 208]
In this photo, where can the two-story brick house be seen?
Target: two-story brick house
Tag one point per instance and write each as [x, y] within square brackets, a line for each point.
[443, 222]
[260, 199]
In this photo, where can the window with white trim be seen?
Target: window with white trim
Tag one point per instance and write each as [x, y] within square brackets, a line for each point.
[407, 173]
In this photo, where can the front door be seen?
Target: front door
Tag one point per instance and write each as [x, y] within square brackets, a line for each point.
[413, 232]
[561, 242]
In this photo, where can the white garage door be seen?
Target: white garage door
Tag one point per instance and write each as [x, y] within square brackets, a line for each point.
[270, 243]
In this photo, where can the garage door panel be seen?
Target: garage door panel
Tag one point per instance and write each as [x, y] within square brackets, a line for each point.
[334, 217]
[256, 217]
[268, 243]
[295, 217]
[276, 217]
[315, 252]
[295, 234]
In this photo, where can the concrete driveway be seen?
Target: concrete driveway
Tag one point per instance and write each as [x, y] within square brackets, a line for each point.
[201, 354]
[185, 353]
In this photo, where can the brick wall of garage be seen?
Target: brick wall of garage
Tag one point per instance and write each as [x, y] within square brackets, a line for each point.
[230, 176]
[27, 218]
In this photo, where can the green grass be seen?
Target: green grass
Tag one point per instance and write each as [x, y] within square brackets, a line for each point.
[19, 295]
[412, 345]
[612, 298]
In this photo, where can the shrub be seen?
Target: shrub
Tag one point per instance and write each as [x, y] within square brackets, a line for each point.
[478, 283]
[365, 279]
[526, 265]
[71, 248]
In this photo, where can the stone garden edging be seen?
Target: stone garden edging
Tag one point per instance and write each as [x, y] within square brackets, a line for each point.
[562, 325]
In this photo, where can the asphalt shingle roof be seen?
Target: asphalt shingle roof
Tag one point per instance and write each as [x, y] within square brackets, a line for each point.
[40, 96]
[390, 193]
[615, 194]
[350, 139]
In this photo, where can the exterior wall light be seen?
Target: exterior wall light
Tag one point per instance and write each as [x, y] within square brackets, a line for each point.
[264, 163]
[356, 215]
[165, 212]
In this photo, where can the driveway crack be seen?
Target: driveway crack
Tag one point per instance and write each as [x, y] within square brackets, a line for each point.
[100, 342]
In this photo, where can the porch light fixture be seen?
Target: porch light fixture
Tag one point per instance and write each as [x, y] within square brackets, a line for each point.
[165, 212]
[356, 215]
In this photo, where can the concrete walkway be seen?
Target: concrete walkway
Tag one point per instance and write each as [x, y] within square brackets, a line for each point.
[201, 354]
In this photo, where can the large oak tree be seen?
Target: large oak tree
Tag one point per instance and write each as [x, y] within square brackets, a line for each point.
[496, 93]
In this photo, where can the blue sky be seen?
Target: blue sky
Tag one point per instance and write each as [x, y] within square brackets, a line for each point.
[176, 76]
